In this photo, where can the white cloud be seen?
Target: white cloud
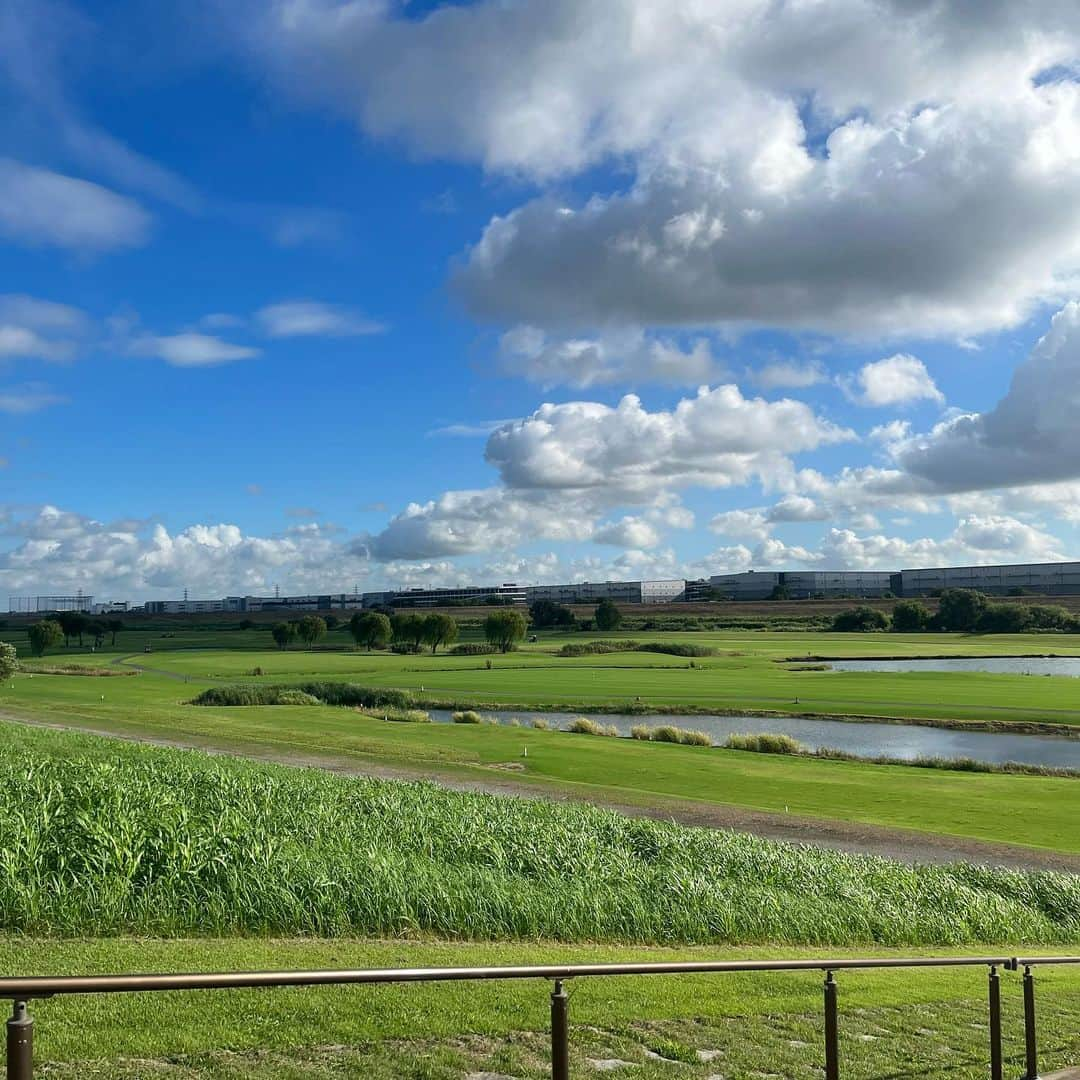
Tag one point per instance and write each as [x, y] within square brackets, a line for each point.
[628, 355]
[471, 430]
[28, 398]
[190, 349]
[716, 439]
[39, 329]
[63, 550]
[935, 194]
[308, 226]
[896, 380]
[629, 532]
[1031, 436]
[783, 374]
[313, 318]
[40, 207]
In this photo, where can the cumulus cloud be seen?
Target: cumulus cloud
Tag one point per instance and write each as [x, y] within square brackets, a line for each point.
[313, 318]
[628, 355]
[715, 439]
[63, 550]
[43, 208]
[629, 532]
[190, 349]
[1030, 436]
[897, 380]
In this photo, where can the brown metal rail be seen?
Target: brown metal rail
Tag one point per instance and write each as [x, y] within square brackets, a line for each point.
[20, 991]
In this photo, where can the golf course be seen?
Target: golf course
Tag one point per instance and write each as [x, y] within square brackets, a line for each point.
[149, 825]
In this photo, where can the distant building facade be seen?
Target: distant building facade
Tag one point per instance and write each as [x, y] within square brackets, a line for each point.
[1049, 579]
[803, 584]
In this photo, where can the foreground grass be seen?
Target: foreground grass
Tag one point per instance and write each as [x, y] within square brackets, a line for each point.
[101, 837]
[892, 1023]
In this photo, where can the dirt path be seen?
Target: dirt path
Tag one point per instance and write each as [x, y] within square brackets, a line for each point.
[905, 845]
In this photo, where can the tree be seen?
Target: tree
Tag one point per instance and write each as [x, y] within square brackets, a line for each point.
[1004, 619]
[408, 628]
[547, 615]
[909, 617]
[72, 624]
[9, 663]
[97, 630]
[44, 635]
[310, 629]
[370, 628]
[960, 609]
[607, 615]
[115, 626]
[246, 624]
[332, 622]
[503, 628]
[439, 630]
[780, 592]
[860, 619]
[282, 634]
[1050, 617]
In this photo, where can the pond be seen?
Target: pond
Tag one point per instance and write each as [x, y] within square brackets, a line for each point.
[904, 741]
[994, 665]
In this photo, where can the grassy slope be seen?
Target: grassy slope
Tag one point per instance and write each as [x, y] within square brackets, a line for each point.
[1033, 811]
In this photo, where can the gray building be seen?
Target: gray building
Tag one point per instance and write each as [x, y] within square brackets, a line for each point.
[622, 592]
[803, 584]
[1050, 579]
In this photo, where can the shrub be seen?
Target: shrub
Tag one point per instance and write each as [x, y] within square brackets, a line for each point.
[9, 664]
[540, 723]
[665, 733]
[670, 734]
[641, 731]
[473, 648]
[467, 716]
[860, 620]
[597, 648]
[1050, 617]
[406, 648]
[584, 725]
[407, 716]
[674, 648]
[1004, 619]
[346, 694]
[256, 671]
[910, 617]
[296, 697]
[765, 744]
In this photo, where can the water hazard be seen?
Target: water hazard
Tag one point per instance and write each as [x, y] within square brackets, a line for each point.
[904, 741]
[993, 665]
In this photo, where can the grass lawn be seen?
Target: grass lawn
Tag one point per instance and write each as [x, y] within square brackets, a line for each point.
[930, 1023]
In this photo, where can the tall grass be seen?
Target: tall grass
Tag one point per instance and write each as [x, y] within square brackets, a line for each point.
[766, 743]
[101, 838]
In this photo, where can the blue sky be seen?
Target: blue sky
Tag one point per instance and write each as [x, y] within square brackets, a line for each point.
[271, 273]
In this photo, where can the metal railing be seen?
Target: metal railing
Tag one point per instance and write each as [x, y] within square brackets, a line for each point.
[21, 991]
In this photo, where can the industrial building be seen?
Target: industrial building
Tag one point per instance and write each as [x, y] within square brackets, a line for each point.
[1049, 579]
[803, 584]
[622, 592]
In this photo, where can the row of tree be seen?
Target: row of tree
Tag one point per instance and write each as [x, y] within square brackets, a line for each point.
[548, 615]
[962, 611]
[48, 633]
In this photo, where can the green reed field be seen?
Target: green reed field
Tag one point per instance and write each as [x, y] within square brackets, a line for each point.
[102, 837]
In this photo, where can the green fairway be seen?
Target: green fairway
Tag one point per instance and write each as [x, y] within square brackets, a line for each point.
[1032, 811]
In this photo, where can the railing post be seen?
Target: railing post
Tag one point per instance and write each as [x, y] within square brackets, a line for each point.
[996, 1068]
[560, 1033]
[832, 1030]
[20, 1043]
[1031, 1050]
